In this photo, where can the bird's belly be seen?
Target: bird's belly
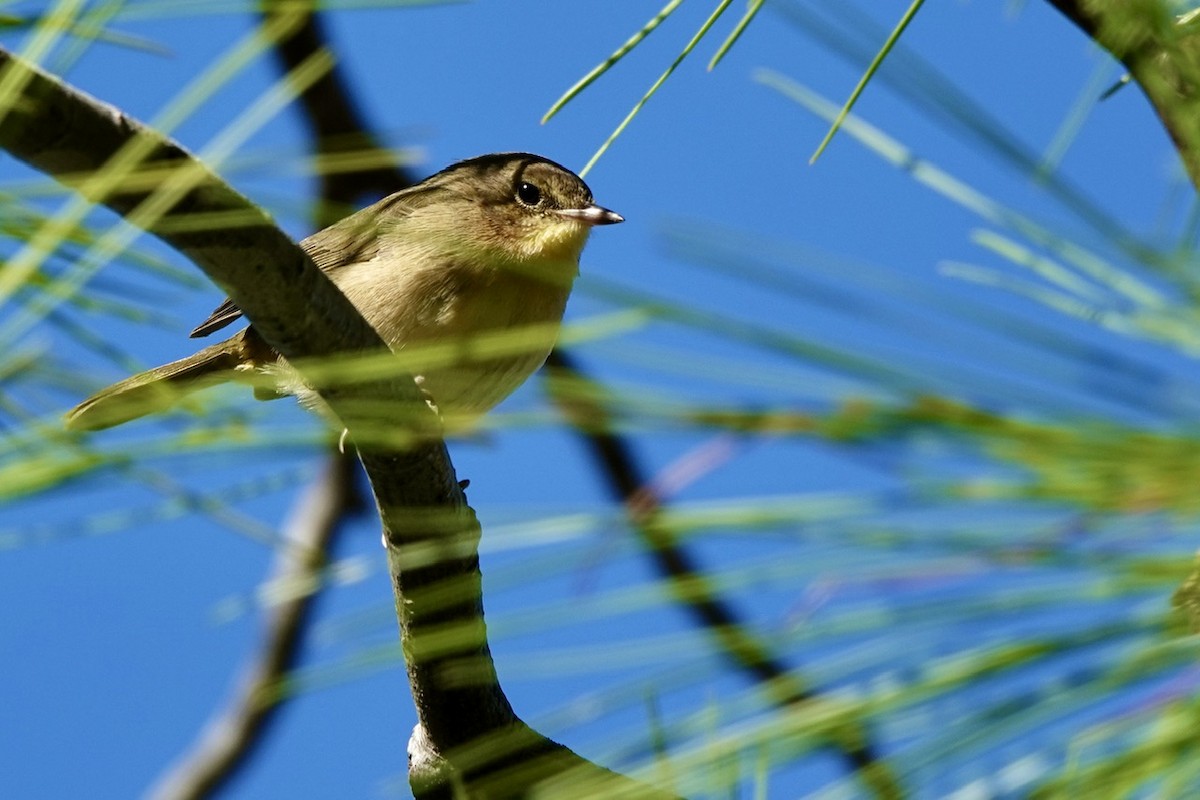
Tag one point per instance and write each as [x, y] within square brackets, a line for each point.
[495, 340]
[475, 337]
[470, 389]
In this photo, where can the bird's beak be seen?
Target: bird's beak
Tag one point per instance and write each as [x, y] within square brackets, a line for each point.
[592, 215]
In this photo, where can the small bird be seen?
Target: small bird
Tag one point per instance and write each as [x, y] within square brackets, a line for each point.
[487, 245]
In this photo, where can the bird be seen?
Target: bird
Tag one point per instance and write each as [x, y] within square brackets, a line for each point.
[487, 245]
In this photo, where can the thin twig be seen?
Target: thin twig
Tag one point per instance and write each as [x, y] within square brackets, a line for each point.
[231, 737]
[580, 399]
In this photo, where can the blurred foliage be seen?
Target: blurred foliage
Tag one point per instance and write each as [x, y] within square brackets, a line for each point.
[996, 610]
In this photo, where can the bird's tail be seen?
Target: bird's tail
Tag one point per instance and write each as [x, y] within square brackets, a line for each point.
[158, 389]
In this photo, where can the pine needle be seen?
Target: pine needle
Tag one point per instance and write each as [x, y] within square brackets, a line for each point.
[872, 68]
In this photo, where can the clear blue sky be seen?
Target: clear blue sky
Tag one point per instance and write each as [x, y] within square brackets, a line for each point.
[116, 646]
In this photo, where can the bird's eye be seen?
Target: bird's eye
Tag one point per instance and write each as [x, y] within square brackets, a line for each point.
[529, 194]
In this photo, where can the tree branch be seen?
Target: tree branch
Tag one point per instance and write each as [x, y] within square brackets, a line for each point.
[430, 532]
[337, 126]
[1161, 54]
[231, 737]
[581, 401]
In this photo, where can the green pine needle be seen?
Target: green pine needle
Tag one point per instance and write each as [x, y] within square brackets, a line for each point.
[751, 11]
[691, 45]
[872, 68]
[604, 66]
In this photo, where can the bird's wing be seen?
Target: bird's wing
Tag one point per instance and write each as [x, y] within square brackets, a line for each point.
[350, 241]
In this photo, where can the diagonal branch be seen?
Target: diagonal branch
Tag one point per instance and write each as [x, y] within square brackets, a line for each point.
[236, 732]
[1162, 55]
[231, 737]
[581, 400]
[430, 532]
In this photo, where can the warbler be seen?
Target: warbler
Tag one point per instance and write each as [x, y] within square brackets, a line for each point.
[486, 245]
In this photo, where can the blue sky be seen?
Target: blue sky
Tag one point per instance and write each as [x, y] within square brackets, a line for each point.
[116, 647]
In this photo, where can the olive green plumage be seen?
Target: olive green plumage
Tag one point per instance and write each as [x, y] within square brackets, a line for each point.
[486, 245]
